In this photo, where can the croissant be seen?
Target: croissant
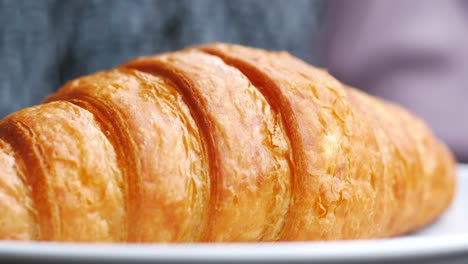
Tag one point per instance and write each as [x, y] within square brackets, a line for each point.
[217, 143]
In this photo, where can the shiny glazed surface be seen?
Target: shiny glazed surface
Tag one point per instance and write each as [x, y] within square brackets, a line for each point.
[217, 143]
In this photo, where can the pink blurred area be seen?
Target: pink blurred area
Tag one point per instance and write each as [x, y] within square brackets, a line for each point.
[411, 52]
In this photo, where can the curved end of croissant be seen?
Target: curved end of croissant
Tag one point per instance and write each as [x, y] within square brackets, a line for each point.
[450, 163]
[16, 221]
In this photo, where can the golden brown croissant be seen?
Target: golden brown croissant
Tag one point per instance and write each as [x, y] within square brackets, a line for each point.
[217, 143]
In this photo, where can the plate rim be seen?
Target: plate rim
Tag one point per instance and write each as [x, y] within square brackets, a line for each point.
[326, 251]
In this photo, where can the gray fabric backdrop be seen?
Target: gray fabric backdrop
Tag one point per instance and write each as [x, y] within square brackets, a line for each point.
[45, 43]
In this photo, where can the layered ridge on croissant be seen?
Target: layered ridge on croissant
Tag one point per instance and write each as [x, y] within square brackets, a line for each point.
[217, 143]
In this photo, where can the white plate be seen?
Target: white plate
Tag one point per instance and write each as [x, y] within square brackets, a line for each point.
[445, 241]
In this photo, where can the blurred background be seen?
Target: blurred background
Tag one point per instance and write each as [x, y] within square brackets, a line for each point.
[412, 52]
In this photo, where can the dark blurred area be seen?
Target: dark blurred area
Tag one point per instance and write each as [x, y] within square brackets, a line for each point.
[411, 52]
[45, 43]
